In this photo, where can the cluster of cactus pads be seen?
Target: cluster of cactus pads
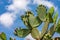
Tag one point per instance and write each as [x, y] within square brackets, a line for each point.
[44, 15]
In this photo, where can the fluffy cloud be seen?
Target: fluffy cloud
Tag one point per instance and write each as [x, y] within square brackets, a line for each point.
[7, 19]
[29, 37]
[45, 2]
[19, 4]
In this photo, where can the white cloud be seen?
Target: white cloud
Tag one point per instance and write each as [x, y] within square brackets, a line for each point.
[19, 4]
[29, 37]
[11, 7]
[7, 19]
[22, 4]
[45, 2]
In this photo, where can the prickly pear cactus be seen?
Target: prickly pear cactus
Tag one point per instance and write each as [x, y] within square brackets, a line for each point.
[45, 16]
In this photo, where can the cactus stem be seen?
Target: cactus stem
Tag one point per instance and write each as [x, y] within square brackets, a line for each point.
[45, 28]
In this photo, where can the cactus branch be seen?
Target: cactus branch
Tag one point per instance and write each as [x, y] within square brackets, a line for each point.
[45, 28]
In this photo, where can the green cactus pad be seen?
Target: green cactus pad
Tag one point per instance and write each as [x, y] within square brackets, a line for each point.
[49, 18]
[34, 21]
[3, 36]
[35, 33]
[21, 32]
[51, 11]
[26, 21]
[55, 17]
[41, 10]
[58, 27]
[50, 14]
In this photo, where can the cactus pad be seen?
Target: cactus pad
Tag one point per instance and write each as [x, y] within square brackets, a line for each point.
[21, 32]
[41, 10]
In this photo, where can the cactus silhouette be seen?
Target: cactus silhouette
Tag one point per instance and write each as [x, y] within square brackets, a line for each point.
[45, 16]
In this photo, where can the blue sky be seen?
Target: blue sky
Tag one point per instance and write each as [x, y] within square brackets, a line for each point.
[11, 10]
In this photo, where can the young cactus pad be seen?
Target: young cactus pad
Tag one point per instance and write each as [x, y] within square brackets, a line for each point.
[34, 21]
[21, 32]
[51, 11]
[35, 33]
[41, 10]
